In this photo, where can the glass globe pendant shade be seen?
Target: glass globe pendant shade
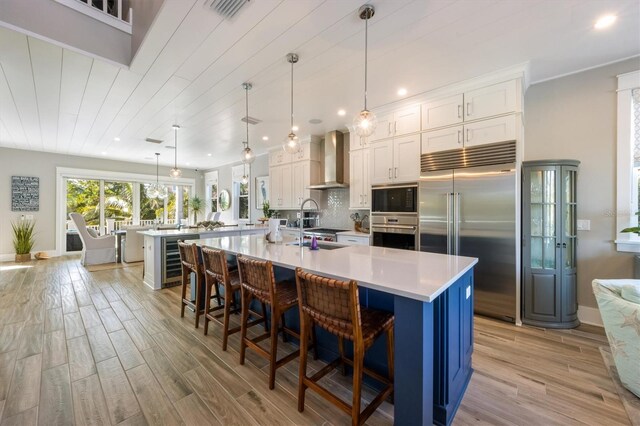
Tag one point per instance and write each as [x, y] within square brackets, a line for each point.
[175, 173]
[292, 144]
[156, 191]
[245, 179]
[247, 155]
[365, 123]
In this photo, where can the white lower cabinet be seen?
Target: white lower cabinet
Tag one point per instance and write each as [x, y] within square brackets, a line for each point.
[360, 182]
[354, 240]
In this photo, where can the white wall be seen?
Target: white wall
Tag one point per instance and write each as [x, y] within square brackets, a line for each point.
[574, 117]
[260, 167]
[14, 162]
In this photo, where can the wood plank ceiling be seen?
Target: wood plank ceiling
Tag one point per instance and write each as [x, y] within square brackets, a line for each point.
[192, 62]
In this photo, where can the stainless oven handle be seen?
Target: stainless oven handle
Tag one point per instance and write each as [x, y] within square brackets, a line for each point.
[456, 222]
[399, 229]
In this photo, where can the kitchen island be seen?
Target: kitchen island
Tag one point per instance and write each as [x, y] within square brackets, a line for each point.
[431, 296]
[161, 256]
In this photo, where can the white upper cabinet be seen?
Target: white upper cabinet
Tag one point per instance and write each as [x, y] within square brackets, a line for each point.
[278, 157]
[396, 160]
[442, 139]
[489, 101]
[401, 122]
[443, 112]
[301, 180]
[494, 130]
[360, 182]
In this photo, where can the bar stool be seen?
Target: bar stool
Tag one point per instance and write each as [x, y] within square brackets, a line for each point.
[217, 273]
[189, 262]
[258, 282]
[334, 306]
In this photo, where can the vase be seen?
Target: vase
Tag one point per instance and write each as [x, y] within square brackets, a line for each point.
[23, 257]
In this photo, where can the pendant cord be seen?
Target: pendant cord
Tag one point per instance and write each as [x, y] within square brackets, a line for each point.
[291, 96]
[175, 158]
[246, 90]
[157, 170]
[366, 48]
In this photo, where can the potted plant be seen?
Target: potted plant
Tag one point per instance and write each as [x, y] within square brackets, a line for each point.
[266, 211]
[23, 240]
[196, 207]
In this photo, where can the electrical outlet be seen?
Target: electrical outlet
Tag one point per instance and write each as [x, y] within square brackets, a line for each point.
[468, 291]
[584, 225]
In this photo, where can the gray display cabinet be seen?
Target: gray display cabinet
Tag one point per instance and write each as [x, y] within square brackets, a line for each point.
[549, 297]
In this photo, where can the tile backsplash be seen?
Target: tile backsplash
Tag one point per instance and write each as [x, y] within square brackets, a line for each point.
[334, 209]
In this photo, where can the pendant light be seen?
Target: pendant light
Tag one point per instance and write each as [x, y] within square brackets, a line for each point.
[245, 176]
[155, 190]
[365, 122]
[247, 153]
[292, 143]
[175, 172]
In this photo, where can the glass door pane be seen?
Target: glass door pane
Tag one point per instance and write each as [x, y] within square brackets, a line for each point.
[569, 240]
[118, 200]
[83, 197]
[543, 219]
[151, 209]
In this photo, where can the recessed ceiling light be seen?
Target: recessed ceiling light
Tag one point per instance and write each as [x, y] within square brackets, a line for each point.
[117, 139]
[605, 22]
[104, 153]
[342, 112]
[188, 164]
[402, 91]
[209, 155]
[265, 138]
[295, 128]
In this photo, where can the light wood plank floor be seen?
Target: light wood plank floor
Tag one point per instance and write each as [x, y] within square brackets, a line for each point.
[101, 348]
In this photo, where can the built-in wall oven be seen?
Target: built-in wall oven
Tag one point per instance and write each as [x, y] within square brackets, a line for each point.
[394, 216]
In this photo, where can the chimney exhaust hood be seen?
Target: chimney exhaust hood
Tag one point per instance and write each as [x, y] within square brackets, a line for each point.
[333, 162]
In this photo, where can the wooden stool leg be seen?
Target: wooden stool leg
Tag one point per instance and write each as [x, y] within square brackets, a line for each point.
[314, 340]
[302, 373]
[358, 358]
[273, 355]
[207, 305]
[227, 309]
[390, 360]
[245, 301]
[264, 316]
[284, 324]
[343, 365]
[198, 306]
[183, 294]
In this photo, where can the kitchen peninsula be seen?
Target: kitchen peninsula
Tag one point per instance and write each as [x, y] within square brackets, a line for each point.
[431, 296]
[161, 256]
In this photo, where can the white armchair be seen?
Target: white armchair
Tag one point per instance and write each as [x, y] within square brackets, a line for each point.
[95, 250]
[134, 244]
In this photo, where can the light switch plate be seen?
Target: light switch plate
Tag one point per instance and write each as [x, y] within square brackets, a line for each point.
[468, 291]
[584, 225]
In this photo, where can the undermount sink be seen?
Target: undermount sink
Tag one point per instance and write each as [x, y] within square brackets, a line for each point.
[322, 246]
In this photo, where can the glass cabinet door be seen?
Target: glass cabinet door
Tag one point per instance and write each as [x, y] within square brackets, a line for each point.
[543, 219]
[569, 211]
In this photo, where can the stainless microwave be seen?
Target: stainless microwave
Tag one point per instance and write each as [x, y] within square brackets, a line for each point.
[394, 199]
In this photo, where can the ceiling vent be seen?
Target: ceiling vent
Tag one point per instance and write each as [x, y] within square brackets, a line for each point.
[158, 141]
[250, 120]
[228, 8]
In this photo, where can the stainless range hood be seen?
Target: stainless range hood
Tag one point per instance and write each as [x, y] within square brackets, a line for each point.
[333, 162]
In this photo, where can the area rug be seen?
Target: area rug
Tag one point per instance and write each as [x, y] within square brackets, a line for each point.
[110, 266]
[630, 401]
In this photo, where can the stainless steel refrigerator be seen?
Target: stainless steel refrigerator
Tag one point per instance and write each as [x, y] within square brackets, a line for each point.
[472, 212]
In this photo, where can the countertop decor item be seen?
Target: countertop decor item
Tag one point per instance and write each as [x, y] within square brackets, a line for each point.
[292, 143]
[23, 239]
[365, 122]
[247, 154]
[175, 172]
[266, 211]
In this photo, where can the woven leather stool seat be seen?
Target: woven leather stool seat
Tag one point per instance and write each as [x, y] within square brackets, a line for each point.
[258, 282]
[217, 274]
[334, 306]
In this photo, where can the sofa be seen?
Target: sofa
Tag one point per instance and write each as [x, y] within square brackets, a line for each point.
[619, 303]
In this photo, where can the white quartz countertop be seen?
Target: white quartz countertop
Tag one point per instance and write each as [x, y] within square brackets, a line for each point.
[413, 274]
[199, 231]
[355, 234]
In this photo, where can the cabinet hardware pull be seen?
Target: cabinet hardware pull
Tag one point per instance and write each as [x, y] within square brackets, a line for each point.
[389, 172]
[468, 109]
[459, 136]
[396, 172]
[389, 129]
[468, 134]
[459, 111]
[395, 127]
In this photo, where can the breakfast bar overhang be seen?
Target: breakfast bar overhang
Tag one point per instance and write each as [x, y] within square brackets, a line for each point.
[431, 296]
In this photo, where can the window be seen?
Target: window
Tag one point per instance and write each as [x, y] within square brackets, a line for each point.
[628, 161]
[243, 201]
[211, 196]
[240, 202]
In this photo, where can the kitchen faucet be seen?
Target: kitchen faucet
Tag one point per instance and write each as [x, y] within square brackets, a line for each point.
[302, 216]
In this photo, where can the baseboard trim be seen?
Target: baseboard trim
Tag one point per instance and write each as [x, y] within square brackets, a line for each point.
[10, 257]
[589, 315]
